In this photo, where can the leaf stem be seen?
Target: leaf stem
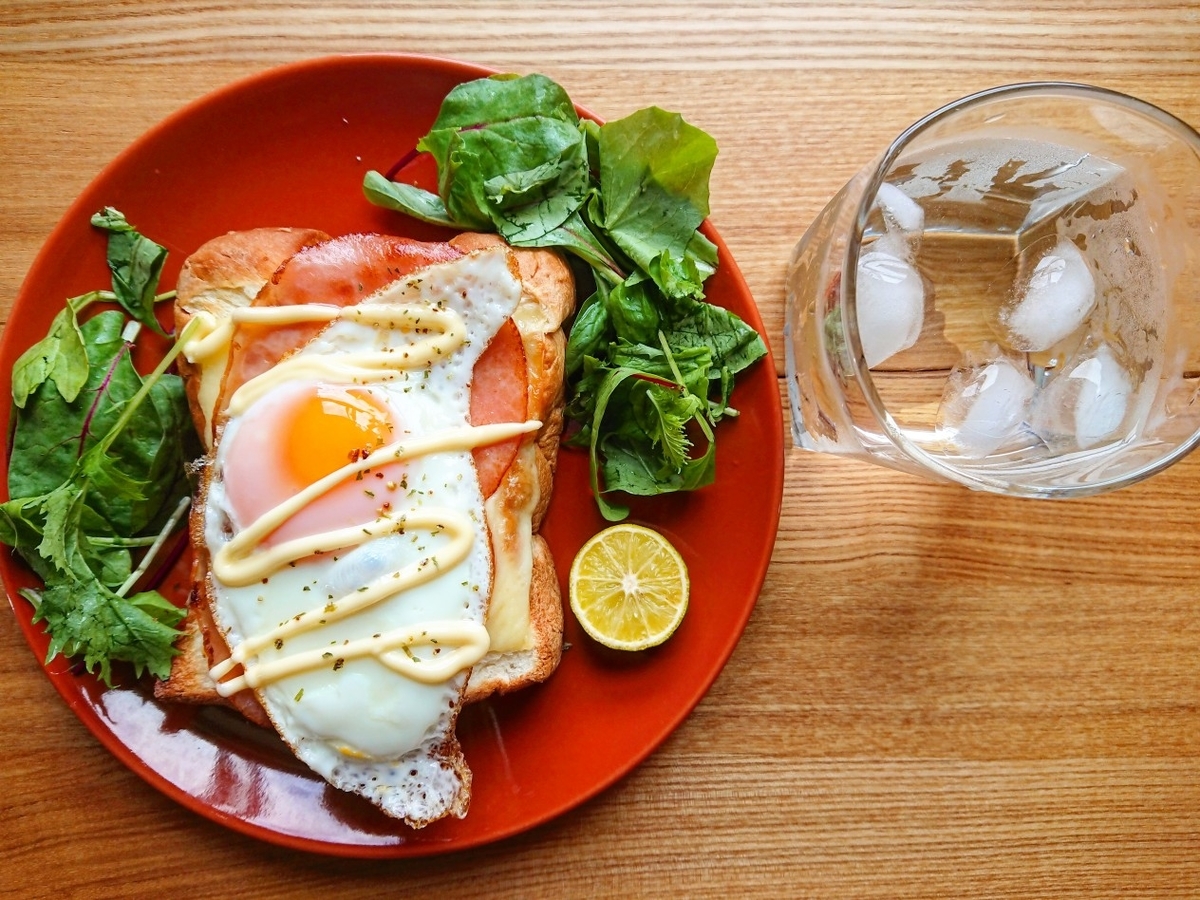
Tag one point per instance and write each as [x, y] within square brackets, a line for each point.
[145, 541]
[102, 389]
[167, 531]
[147, 385]
[402, 163]
[662, 340]
[81, 302]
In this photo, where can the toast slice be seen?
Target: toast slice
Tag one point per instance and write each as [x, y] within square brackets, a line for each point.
[525, 614]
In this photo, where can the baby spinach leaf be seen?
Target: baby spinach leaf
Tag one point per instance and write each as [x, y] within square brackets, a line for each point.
[588, 333]
[60, 356]
[136, 263]
[405, 198]
[654, 171]
[52, 433]
[631, 468]
[611, 380]
[632, 311]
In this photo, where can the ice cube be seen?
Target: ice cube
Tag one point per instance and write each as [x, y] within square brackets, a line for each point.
[1086, 403]
[1053, 302]
[984, 406]
[891, 302]
[899, 210]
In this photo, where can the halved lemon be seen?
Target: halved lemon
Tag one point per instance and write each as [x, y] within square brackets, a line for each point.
[629, 587]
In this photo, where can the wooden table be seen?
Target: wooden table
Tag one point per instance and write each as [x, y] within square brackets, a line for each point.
[940, 693]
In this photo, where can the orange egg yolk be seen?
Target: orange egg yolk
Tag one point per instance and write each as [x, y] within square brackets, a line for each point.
[325, 431]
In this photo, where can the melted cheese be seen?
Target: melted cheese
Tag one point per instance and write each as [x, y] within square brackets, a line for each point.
[509, 514]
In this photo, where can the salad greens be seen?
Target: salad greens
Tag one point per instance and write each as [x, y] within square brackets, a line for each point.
[650, 363]
[97, 468]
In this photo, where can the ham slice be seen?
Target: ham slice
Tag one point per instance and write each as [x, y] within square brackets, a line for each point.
[344, 270]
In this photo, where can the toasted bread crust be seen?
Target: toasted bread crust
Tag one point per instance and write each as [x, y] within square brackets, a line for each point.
[224, 273]
[227, 272]
[547, 298]
[502, 673]
[190, 681]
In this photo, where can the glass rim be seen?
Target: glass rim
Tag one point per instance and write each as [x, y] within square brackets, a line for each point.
[847, 291]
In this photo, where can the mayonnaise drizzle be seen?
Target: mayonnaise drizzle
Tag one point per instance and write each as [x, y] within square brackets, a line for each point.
[446, 334]
[243, 561]
[455, 525]
[467, 642]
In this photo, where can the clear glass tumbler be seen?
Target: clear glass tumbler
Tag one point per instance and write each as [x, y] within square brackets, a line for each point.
[1008, 297]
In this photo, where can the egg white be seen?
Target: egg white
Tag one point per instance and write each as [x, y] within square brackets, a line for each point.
[361, 725]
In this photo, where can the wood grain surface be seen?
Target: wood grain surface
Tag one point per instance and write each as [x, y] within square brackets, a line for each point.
[940, 693]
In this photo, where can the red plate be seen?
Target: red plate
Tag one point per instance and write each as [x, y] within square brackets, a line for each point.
[290, 147]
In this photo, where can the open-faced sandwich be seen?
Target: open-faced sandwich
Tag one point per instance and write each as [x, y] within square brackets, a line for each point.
[381, 418]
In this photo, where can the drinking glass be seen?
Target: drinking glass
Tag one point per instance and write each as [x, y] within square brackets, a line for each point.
[1007, 297]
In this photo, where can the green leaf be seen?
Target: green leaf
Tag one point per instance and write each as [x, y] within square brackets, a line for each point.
[702, 253]
[631, 468]
[405, 198]
[662, 414]
[59, 356]
[645, 354]
[524, 177]
[734, 345]
[613, 512]
[635, 466]
[21, 522]
[59, 545]
[141, 475]
[589, 332]
[499, 98]
[136, 263]
[688, 366]
[632, 310]
[52, 432]
[92, 621]
[510, 155]
[678, 277]
[654, 171]
[577, 237]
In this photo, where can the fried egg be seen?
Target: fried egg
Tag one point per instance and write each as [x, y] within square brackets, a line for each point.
[351, 564]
